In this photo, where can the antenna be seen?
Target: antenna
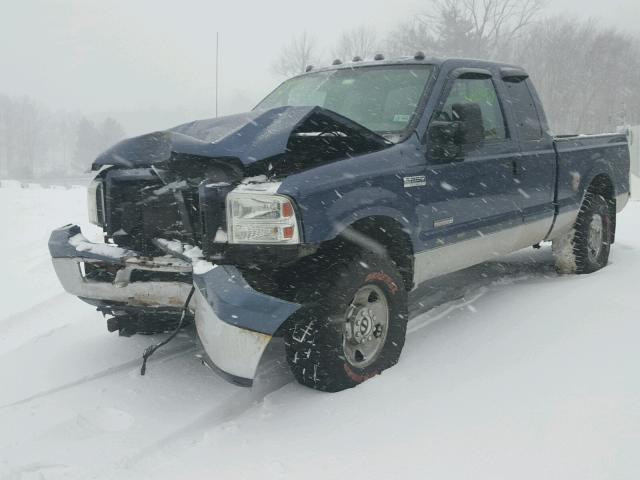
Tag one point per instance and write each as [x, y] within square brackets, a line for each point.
[217, 57]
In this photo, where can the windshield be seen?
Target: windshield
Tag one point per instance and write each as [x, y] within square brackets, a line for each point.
[383, 99]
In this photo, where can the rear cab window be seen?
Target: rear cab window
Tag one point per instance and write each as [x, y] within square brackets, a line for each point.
[527, 120]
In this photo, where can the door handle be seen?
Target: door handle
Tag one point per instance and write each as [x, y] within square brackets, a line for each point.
[514, 168]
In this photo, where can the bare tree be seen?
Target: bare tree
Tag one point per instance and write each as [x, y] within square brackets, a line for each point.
[23, 137]
[411, 36]
[63, 131]
[474, 28]
[88, 145]
[584, 74]
[582, 70]
[5, 132]
[36, 142]
[28, 134]
[300, 52]
[361, 42]
[110, 132]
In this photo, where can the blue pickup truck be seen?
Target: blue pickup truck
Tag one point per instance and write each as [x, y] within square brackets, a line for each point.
[312, 216]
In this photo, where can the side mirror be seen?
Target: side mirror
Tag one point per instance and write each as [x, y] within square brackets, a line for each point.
[445, 141]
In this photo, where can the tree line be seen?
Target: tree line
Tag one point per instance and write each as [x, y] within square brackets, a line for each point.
[36, 142]
[585, 72]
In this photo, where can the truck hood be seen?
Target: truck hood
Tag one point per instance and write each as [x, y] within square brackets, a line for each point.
[286, 138]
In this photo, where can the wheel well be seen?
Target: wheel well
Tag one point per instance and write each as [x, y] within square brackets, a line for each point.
[381, 235]
[602, 185]
[387, 237]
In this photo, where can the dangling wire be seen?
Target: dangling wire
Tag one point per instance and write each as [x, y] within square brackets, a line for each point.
[152, 348]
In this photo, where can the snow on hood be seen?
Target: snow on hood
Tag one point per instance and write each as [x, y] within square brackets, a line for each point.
[249, 137]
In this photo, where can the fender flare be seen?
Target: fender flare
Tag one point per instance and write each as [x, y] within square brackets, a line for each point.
[346, 213]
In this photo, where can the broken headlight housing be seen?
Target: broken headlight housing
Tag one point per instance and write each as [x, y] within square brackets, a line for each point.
[261, 218]
[95, 201]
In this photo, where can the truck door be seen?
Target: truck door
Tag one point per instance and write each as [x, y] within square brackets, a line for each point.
[535, 167]
[470, 198]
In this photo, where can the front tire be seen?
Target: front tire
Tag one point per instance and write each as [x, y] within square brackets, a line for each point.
[352, 327]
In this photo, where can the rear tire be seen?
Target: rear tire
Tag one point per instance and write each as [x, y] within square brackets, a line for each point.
[586, 248]
[353, 324]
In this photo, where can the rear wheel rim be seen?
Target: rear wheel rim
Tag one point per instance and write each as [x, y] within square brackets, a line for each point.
[366, 326]
[595, 238]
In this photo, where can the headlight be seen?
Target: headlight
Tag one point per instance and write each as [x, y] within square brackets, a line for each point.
[261, 218]
[95, 200]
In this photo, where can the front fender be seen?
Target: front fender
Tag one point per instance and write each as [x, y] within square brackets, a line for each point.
[364, 203]
[235, 323]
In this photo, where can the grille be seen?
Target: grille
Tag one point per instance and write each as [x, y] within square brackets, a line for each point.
[212, 199]
[135, 214]
[100, 203]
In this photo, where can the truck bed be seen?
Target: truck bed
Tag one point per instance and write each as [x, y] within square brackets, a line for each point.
[581, 159]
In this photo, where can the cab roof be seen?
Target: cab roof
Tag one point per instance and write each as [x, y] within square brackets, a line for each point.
[437, 61]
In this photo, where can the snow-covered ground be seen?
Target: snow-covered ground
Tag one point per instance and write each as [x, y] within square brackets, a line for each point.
[516, 373]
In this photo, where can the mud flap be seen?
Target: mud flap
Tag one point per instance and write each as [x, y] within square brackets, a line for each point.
[235, 323]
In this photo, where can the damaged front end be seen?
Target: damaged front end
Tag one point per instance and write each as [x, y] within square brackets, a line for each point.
[135, 290]
[235, 323]
[175, 185]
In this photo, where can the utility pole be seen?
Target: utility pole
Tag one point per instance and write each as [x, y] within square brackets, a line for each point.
[217, 57]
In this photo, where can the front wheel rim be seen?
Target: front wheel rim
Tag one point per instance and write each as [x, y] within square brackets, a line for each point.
[595, 237]
[366, 326]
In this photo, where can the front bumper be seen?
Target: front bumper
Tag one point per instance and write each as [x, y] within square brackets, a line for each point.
[70, 251]
[235, 323]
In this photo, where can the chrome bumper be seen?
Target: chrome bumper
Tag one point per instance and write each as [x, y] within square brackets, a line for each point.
[235, 323]
[70, 251]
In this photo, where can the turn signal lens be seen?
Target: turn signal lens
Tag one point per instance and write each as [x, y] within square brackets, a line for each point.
[288, 232]
[287, 210]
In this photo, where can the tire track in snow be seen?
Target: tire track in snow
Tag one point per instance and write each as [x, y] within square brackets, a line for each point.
[437, 313]
[42, 470]
[29, 312]
[277, 377]
[37, 258]
[101, 374]
[423, 313]
[439, 297]
[23, 327]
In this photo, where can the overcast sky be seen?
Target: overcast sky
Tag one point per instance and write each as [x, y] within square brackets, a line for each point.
[133, 57]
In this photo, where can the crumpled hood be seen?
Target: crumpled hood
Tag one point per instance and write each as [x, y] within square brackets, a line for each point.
[249, 137]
